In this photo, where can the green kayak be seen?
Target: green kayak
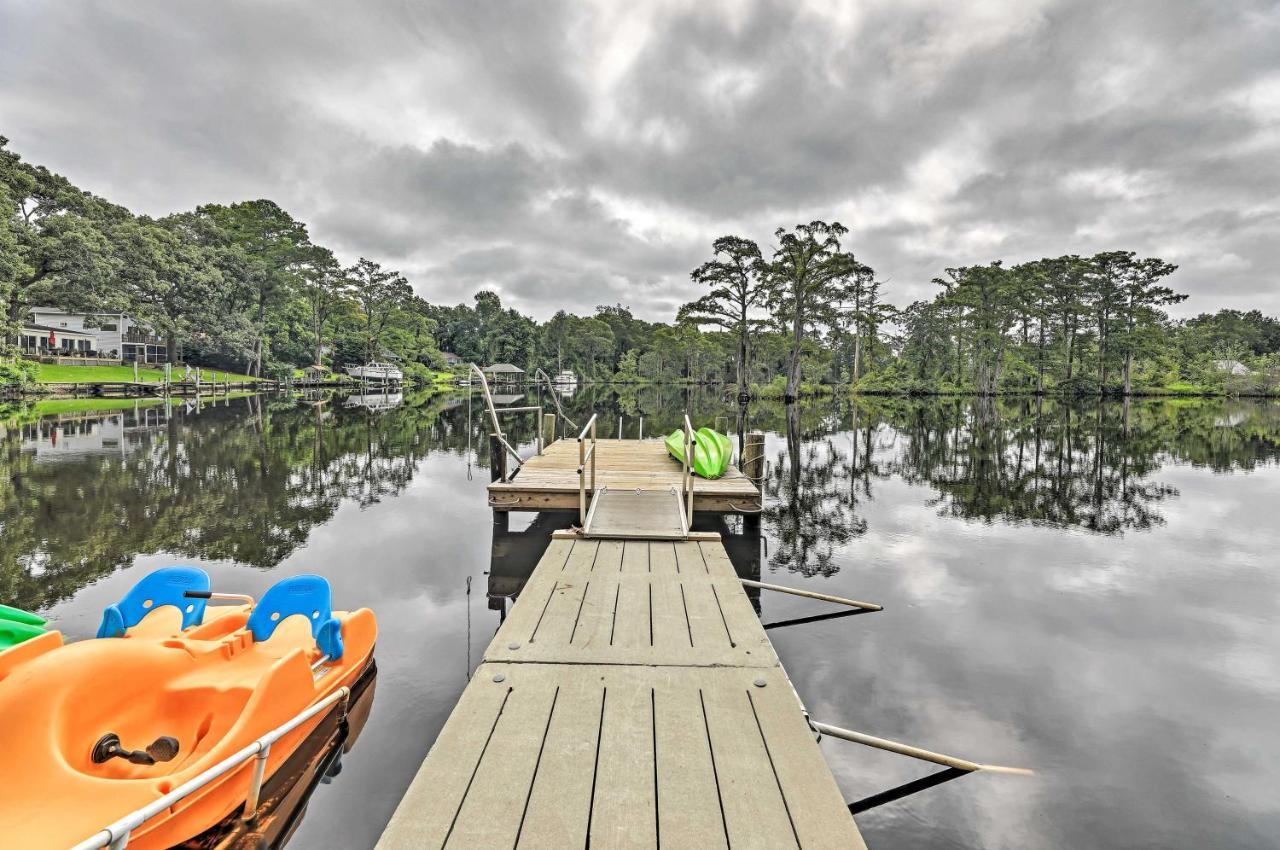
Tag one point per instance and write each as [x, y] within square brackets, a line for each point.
[712, 451]
[17, 625]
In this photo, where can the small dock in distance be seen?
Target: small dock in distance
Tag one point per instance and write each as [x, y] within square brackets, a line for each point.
[551, 480]
[631, 699]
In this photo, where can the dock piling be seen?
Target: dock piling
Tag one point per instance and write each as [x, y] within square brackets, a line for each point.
[497, 458]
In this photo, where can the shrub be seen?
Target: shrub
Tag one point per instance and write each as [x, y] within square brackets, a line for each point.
[16, 370]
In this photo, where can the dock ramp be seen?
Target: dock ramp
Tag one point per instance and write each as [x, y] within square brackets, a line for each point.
[637, 514]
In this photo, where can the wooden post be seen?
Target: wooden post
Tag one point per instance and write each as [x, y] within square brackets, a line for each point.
[752, 461]
[753, 457]
[548, 428]
[497, 459]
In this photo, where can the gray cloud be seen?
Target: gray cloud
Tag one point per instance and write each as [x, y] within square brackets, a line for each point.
[571, 154]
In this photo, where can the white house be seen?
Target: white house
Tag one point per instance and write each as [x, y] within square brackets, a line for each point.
[1235, 367]
[113, 336]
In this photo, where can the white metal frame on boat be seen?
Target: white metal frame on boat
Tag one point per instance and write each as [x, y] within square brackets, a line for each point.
[116, 835]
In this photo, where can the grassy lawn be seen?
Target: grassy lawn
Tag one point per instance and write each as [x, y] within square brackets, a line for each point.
[48, 407]
[57, 374]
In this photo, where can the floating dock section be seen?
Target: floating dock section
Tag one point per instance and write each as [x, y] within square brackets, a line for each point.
[552, 480]
[631, 699]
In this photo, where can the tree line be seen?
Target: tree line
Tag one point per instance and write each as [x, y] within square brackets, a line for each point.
[240, 286]
[244, 286]
[1068, 325]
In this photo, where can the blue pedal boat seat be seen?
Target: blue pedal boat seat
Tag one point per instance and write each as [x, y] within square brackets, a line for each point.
[307, 596]
[165, 586]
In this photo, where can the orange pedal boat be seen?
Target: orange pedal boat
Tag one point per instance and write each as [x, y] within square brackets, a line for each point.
[98, 729]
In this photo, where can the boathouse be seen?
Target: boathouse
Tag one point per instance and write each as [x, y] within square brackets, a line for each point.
[504, 373]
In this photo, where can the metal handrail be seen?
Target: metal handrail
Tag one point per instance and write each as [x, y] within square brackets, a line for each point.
[116, 835]
[583, 455]
[688, 470]
[539, 373]
[497, 428]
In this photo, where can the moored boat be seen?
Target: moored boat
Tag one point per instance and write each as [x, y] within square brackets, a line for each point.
[375, 372]
[101, 728]
[376, 402]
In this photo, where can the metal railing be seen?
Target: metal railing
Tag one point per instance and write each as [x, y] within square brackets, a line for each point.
[585, 454]
[116, 835]
[555, 398]
[497, 426]
[688, 471]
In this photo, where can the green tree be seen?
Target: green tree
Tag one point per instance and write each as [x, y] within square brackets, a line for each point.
[804, 285]
[985, 295]
[327, 288]
[273, 249]
[737, 289]
[1067, 283]
[864, 315]
[381, 293]
[167, 282]
[1139, 311]
[556, 334]
[57, 247]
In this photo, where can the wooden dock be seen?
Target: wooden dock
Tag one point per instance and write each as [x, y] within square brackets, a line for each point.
[549, 481]
[631, 699]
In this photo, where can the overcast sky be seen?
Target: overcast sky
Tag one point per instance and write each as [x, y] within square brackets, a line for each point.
[574, 154]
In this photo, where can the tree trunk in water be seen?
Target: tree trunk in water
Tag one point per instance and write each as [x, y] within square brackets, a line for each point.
[258, 344]
[1128, 358]
[742, 358]
[793, 375]
[317, 329]
[857, 358]
[1040, 362]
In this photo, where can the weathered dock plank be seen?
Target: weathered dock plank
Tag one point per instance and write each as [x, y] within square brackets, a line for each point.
[600, 719]
[630, 756]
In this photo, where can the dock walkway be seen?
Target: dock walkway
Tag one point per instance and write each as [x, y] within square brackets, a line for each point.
[631, 699]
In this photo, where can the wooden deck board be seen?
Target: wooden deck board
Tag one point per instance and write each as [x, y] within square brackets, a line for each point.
[550, 480]
[599, 607]
[638, 727]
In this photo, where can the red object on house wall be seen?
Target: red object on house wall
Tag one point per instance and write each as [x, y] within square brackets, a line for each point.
[52, 342]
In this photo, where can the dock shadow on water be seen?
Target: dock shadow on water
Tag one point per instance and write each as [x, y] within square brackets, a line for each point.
[1087, 588]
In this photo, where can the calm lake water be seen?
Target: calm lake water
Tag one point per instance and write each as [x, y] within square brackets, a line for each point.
[1088, 590]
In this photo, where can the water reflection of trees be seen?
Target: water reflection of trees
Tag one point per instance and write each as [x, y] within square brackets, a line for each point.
[813, 488]
[245, 481]
[1091, 466]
